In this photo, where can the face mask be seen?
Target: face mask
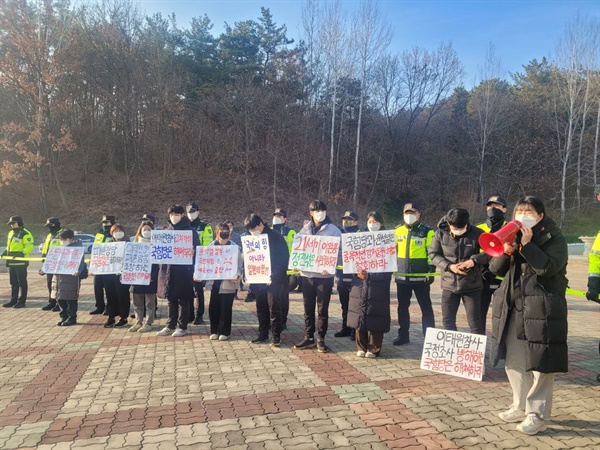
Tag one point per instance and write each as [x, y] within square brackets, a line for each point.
[147, 234]
[527, 221]
[319, 216]
[255, 233]
[409, 219]
[224, 234]
[175, 219]
[106, 227]
[347, 224]
[65, 243]
[192, 216]
[373, 226]
[277, 221]
[118, 235]
[495, 214]
[458, 232]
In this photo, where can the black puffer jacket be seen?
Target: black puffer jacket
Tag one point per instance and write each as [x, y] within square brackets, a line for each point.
[534, 288]
[447, 249]
[369, 307]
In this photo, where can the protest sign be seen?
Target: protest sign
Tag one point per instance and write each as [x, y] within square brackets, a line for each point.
[137, 266]
[172, 247]
[314, 253]
[454, 353]
[374, 252]
[63, 260]
[107, 258]
[216, 262]
[257, 259]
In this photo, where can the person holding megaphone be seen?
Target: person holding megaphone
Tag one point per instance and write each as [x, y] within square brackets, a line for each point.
[529, 314]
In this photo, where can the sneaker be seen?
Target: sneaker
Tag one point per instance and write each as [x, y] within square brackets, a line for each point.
[532, 425]
[360, 354]
[68, 323]
[48, 307]
[514, 414]
[370, 355]
[145, 328]
[275, 342]
[259, 339]
[166, 331]
[97, 311]
[110, 323]
[306, 343]
[59, 324]
[223, 337]
[213, 337]
[22, 305]
[321, 347]
[135, 328]
[55, 308]
[401, 341]
[180, 332]
[198, 320]
[121, 323]
[9, 304]
[344, 332]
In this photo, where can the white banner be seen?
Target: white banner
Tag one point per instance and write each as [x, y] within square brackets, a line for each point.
[216, 262]
[314, 253]
[172, 247]
[454, 353]
[371, 251]
[257, 259]
[63, 260]
[137, 265]
[107, 258]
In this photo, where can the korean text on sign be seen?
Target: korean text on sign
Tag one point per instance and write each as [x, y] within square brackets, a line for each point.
[216, 262]
[63, 260]
[374, 252]
[172, 247]
[257, 259]
[314, 253]
[137, 265]
[454, 353]
[107, 258]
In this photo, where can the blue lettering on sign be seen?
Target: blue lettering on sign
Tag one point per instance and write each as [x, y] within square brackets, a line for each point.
[161, 252]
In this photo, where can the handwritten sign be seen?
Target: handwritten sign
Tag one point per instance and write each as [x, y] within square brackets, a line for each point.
[454, 353]
[216, 262]
[374, 252]
[137, 266]
[172, 247]
[63, 260]
[314, 253]
[257, 259]
[107, 258]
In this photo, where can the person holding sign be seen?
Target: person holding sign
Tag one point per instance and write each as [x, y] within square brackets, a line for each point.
[205, 235]
[176, 281]
[53, 224]
[369, 307]
[65, 288]
[269, 295]
[529, 315]
[118, 300]
[280, 226]
[317, 287]
[100, 281]
[222, 292]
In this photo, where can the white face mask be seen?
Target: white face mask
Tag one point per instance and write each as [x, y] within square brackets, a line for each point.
[277, 220]
[118, 235]
[193, 216]
[458, 232]
[373, 226]
[175, 219]
[526, 220]
[255, 233]
[319, 216]
[147, 234]
[409, 219]
[65, 242]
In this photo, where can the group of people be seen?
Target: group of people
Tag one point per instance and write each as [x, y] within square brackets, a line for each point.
[527, 282]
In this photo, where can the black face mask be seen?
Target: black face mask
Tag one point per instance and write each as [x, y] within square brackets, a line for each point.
[106, 227]
[495, 214]
[53, 229]
[224, 234]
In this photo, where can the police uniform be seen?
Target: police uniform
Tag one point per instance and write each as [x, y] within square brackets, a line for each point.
[102, 282]
[344, 281]
[206, 236]
[288, 234]
[18, 244]
[53, 223]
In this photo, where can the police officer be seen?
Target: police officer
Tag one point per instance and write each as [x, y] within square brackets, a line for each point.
[344, 281]
[148, 218]
[52, 240]
[19, 244]
[280, 225]
[205, 234]
[593, 291]
[412, 241]
[495, 209]
[101, 281]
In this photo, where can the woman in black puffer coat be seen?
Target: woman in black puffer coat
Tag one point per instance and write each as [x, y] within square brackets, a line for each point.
[369, 308]
[529, 319]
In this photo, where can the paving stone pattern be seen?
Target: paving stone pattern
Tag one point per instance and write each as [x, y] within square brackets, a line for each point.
[90, 387]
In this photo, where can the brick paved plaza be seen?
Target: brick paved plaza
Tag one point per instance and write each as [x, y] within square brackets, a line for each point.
[90, 387]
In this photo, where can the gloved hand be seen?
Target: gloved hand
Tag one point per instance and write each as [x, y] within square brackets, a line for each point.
[593, 295]
[593, 289]
[431, 268]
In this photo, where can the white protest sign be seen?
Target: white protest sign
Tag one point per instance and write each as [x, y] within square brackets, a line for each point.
[107, 258]
[216, 262]
[454, 353]
[257, 259]
[137, 266]
[314, 253]
[63, 260]
[172, 247]
[373, 251]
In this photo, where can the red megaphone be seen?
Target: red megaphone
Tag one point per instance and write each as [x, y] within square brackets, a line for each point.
[493, 243]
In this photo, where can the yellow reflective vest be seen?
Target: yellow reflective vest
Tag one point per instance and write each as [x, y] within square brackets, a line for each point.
[101, 238]
[20, 244]
[594, 258]
[51, 241]
[412, 244]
